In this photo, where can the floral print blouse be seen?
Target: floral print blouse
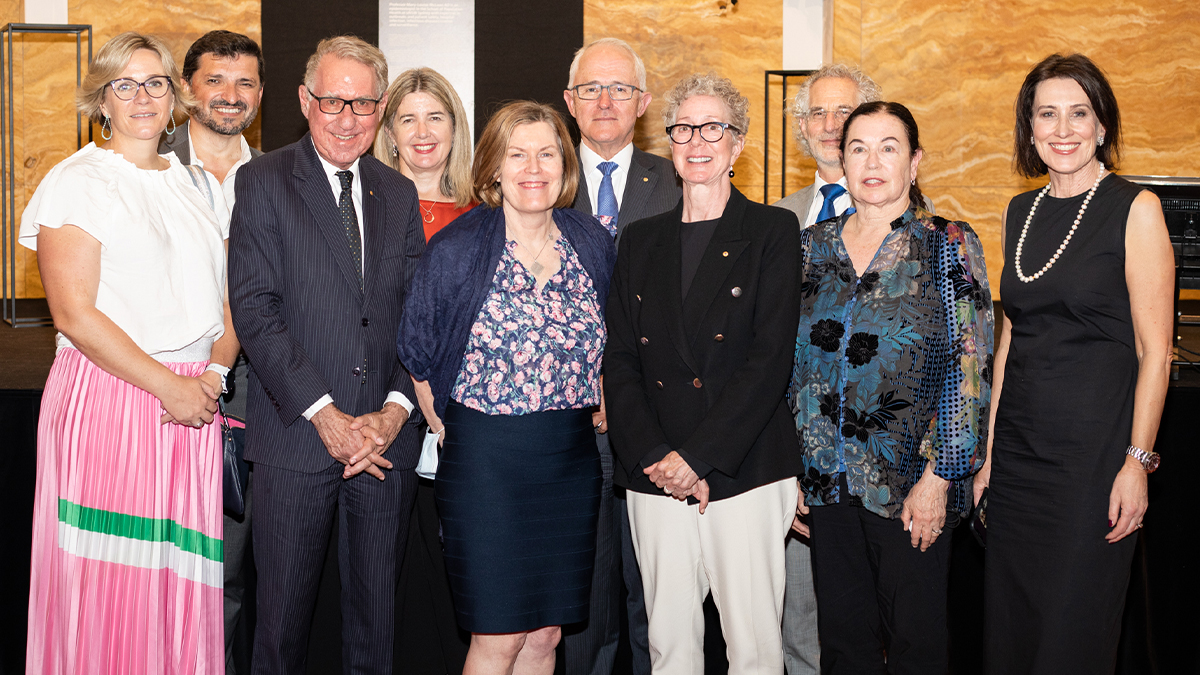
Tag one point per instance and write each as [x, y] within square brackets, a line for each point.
[893, 369]
[532, 350]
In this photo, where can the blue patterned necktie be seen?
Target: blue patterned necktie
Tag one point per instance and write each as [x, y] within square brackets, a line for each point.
[830, 191]
[350, 222]
[606, 199]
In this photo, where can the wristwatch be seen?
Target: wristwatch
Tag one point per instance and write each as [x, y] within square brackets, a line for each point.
[1149, 460]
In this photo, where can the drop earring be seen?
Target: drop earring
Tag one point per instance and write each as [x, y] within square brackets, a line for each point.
[106, 128]
[171, 131]
[731, 172]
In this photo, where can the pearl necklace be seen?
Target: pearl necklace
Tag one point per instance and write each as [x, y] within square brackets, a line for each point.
[1062, 247]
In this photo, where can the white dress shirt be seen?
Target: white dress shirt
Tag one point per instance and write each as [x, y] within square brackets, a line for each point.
[592, 175]
[227, 186]
[335, 184]
[840, 204]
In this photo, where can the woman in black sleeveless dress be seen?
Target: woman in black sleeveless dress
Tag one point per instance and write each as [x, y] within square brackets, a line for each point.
[1081, 374]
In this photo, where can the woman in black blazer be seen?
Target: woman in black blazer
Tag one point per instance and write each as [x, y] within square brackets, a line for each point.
[702, 322]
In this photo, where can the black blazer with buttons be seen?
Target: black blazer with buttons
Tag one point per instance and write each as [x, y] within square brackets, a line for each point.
[706, 375]
[306, 326]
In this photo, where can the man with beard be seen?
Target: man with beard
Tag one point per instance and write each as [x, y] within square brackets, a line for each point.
[224, 72]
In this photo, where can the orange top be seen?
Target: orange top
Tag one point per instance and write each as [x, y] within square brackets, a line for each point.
[436, 215]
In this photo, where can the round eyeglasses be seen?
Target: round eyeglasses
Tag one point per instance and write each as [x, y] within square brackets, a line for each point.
[126, 89]
[818, 114]
[709, 131]
[331, 105]
[616, 91]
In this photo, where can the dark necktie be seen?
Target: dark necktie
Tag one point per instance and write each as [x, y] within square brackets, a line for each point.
[830, 191]
[350, 222]
[606, 198]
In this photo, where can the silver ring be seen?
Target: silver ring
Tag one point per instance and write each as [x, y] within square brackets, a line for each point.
[936, 531]
[199, 424]
[1139, 524]
[667, 490]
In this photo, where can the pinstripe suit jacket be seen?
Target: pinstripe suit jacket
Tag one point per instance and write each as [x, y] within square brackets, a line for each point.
[297, 307]
[650, 189]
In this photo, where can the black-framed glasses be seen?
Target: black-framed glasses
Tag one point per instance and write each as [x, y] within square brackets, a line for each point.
[126, 89]
[331, 105]
[818, 114]
[709, 131]
[616, 91]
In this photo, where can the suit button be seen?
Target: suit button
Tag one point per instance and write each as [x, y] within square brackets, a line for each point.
[719, 338]
[736, 291]
[366, 322]
[645, 341]
[658, 384]
[356, 372]
[696, 383]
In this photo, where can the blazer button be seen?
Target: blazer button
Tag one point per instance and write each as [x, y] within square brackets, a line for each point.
[719, 338]
[697, 383]
[366, 322]
[736, 291]
[645, 341]
[658, 384]
[356, 372]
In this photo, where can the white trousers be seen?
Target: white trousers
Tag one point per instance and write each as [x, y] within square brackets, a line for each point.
[736, 550]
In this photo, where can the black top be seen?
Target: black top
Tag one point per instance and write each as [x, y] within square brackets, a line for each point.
[693, 239]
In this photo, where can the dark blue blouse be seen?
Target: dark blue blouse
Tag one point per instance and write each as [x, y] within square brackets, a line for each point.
[454, 278]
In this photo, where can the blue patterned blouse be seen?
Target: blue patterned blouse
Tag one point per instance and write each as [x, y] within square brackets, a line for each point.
[532, 350]
[893, 369]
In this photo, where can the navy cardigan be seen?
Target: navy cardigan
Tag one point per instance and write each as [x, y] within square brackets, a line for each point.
[453, 280]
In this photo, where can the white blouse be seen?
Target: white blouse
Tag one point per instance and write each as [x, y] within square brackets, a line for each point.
[162, 254]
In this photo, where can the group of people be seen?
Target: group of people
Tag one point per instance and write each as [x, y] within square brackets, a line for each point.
[639, 387]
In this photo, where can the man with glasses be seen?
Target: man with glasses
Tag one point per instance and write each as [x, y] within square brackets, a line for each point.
[822, 105]
[224, 72]
[606, 94]
[323, 243]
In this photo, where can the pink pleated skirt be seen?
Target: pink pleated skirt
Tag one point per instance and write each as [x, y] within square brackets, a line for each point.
[127, 564]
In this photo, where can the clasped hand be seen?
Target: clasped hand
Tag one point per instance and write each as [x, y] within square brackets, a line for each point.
[676, 478]
[359, 442]
[191, 401]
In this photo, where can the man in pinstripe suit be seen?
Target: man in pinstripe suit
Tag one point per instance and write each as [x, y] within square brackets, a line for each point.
[323, 244]
[621, 185]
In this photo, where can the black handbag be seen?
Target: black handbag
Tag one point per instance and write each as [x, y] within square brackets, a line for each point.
[236, 472]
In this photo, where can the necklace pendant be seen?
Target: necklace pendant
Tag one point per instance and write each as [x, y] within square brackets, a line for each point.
[537, 268]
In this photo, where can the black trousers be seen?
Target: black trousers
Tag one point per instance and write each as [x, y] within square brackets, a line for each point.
[881, 604]
[293, 520]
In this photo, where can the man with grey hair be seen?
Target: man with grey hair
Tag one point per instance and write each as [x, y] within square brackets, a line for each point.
[822, 105]
[322, 246]
[606, 94]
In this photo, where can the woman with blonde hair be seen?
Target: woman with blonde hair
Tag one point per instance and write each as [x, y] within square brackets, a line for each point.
[425, 136]
[126, 572]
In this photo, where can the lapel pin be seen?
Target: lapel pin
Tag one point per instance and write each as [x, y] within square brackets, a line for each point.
[736, 291]
[724, 254]
[645, 179]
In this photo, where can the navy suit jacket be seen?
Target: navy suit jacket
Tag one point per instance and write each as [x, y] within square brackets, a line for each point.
[297, 307]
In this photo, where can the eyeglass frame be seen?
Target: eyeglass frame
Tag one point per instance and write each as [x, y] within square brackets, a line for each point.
[603, 88]
[819, 114]
[725, 126]
[345, 102]
[141, 85]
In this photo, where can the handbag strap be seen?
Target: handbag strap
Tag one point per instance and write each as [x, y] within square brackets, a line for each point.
[200, 180]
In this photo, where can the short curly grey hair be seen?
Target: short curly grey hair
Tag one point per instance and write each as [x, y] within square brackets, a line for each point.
[868, 91]
[709, 84]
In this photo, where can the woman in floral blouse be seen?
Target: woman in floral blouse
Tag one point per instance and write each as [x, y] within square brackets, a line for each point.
[890, 392]
[503, 332]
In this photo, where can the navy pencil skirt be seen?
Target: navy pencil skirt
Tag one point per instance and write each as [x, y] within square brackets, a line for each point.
[518, 497]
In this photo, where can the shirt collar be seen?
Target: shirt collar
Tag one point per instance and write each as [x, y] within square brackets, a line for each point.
[331, 170]
[819, 182]
[246, 156]
[590, 159]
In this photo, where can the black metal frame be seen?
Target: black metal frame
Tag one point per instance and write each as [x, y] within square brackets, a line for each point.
[785, 74]
[8, 191]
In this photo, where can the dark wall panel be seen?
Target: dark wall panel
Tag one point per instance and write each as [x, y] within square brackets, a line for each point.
[523, 50]
[291, 30]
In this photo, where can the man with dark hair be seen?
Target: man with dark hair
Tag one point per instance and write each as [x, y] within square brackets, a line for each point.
[224, 72]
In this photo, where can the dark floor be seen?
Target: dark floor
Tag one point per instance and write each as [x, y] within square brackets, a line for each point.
[26, 352]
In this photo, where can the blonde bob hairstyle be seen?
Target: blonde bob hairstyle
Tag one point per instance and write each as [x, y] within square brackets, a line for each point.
[493, 146]
[713, 85]
[112, 58]
[456, 178]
